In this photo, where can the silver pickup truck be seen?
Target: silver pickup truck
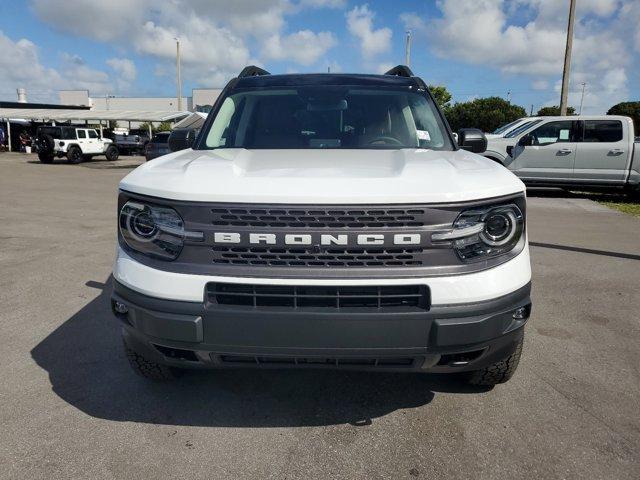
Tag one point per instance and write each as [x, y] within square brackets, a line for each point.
[578, 151]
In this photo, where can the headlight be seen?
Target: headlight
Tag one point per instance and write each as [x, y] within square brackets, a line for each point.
[485, 232]
[152, 230]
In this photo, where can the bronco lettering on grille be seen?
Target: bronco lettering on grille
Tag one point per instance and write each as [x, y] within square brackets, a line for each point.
[316, 239]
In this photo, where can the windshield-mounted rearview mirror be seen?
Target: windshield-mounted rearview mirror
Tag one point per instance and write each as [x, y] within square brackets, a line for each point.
[320, 106]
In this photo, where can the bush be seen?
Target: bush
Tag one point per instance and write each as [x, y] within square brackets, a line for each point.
[441, 95]
[487, 114]
[628, 109]
[554, 111]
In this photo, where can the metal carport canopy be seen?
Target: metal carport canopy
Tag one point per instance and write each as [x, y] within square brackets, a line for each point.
[87, 115]
[194, 120]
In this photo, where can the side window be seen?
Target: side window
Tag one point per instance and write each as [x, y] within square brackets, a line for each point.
[602, 131]
[92, 134]
[518, 130]
[552, 132]
[216, 137]
[81, 133]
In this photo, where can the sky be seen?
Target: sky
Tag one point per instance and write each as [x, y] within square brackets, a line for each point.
[476, 48]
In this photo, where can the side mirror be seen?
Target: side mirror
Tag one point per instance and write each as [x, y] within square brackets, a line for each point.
[526, 140]
[472, 139]
[182, 139]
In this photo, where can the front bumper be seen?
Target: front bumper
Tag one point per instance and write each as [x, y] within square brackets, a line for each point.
[458, 337]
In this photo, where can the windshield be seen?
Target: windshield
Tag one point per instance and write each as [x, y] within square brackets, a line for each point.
[506, 127]
[323, 116]
[161, 137]
[522, 128]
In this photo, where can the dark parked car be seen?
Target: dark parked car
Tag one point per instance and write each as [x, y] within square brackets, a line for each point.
[158, 146]
[182, 138]
[134, 143]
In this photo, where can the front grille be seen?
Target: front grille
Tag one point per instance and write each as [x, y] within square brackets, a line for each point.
[326, 297]
[311, 257]
[318, 217]
[335, 362]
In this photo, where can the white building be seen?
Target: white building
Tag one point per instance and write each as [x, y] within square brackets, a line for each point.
[201, 99]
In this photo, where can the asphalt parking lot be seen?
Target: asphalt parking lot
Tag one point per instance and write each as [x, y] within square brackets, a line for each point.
[71, 408]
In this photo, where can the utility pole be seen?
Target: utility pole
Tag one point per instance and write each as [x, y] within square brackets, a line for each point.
[509, 96]
[531, 111]
[584, 84]
[567, 58]
[407, 50]
[178, 79]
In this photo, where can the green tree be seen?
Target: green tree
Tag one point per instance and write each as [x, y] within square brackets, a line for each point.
[554, 111]
[628, 109]
[487, 114]
[441, 95]
[145, 126]
[164, 127]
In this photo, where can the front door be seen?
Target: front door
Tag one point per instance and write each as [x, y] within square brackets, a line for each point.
[603, 154]
[82, 140]
[551, 156]
[95, 145]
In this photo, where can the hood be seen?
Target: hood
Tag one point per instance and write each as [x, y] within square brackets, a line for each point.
[322, 176]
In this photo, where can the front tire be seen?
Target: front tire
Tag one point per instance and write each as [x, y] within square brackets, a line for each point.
[150, 369]
[498, 372]
[111, 153]
[74, 155]
[45, 157]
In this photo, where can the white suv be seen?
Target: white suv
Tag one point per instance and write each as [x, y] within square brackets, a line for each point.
[324, 221]
[76, 143]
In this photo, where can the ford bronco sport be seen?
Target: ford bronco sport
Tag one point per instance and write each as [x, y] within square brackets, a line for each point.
[324, 221]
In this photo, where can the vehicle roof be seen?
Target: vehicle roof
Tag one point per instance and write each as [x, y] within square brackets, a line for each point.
[85, 127]
[585, 117]
[297, 79]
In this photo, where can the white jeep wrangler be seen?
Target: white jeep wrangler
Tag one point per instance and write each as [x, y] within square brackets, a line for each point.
[324, 221]
[76, 143]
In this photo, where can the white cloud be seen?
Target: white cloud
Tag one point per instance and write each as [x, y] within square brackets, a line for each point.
[304, 47]
[360, 25]
[123, 67]
[323, 3]
[540, 84]
[24, 69]
[215, 35]
[384, 67]
[484, 32]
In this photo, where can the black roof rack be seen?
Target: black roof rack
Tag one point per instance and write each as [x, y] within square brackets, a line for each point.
[252, 71]
[400, 71]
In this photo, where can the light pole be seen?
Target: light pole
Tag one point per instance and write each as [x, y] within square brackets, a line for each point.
[407, 50]
[178, 79]
[567, 59]
[584, 84]
[106, 100]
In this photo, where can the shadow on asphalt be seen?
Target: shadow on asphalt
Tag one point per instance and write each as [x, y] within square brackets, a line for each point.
[607, 196]
[87, 369]
[123, 162]
[606, 253]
